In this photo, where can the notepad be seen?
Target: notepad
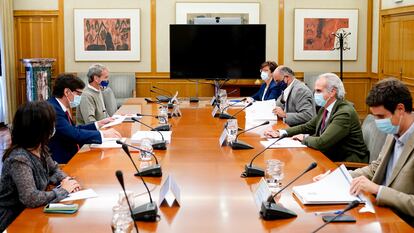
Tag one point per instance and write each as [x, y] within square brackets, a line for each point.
[83, 194]
[333, 189]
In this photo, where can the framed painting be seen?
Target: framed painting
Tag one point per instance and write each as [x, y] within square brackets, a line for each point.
[317, 31]
[107, 34]
[229, 13]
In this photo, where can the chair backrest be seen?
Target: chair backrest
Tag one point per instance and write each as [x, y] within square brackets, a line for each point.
[309, 78]
[373, 138]
[110, 101]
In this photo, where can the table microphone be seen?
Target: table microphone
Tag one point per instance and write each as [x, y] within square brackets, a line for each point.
[162, 97]
[224, 115]
[351, 205]
[217, 87]
[253, 171]
[150, 171]
[158, 145]
[147, 212]
[239, 145]
[165, 127]
[235, 114]
[163, 90]
[120, 177]
[155, 116]
[271, 211]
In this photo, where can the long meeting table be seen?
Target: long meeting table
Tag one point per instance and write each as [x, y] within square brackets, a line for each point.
[214, 198]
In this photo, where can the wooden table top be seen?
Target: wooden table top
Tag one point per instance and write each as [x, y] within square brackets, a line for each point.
[213, 196]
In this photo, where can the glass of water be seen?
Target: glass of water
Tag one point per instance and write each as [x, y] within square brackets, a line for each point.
[163, 115]
[232, 128]
[146, 144]
[274, 173]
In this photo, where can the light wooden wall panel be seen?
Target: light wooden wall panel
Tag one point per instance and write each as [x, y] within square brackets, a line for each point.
[36, 36]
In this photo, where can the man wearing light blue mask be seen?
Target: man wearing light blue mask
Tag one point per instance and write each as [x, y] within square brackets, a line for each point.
[69, 138]
[92, 106]
[391, 176]
[335, 130]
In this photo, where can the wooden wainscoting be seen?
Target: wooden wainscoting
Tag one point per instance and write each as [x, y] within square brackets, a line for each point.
[36, 36]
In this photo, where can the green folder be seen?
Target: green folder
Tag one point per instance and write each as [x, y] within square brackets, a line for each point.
[59, 208]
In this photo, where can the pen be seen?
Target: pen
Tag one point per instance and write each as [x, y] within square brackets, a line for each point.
[328, 212]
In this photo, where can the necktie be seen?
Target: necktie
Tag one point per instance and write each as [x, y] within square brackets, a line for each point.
[70, 121]
[323, 124]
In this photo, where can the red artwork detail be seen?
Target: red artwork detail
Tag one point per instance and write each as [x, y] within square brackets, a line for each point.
[317, 32]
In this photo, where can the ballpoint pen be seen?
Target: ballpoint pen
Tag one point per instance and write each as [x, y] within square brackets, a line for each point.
[328, 212]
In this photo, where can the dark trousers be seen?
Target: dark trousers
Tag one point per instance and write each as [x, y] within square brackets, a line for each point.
[8, 215]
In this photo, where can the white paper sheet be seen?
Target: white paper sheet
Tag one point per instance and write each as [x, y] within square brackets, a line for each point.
[284, 143]
[109, 143]
[83, 194]
[261, 110]
[153, 135]
[118, 120]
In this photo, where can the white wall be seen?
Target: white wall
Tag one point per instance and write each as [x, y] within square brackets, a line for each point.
[388, 4]
[326, 66]
[35, 4]
[140, 66]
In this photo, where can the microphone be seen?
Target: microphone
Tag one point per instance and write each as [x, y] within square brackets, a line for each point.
[156, 145]
[150, 171]
[163, 90]
[217, 87]
[224, 115]
[239, 145]
[120, 177]
[270, 210]
[147, 212]
[233, 116]
[161, 97]
[233, 91]
[253, 171]
[155, 116]
[351, 205]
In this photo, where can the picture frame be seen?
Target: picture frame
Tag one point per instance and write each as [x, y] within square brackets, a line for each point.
[107, 34]
[314, 34]
[249, 13]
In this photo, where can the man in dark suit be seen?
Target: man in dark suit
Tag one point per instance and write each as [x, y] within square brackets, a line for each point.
[295, 105]
[270, 89]
[336, 130]
[69, 138]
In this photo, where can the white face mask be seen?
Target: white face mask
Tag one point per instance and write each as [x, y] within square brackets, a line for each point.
[264, 75]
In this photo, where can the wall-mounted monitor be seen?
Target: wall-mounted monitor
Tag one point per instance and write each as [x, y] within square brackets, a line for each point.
[217, 51]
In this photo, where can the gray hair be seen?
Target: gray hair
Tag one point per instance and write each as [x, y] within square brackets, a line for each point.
[333, 81]
[284, 70]
[95, 70]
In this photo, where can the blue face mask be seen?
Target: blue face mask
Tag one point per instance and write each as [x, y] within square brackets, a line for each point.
[319, 100]
[385, 125]
[264, 75]
[76, 101]
[104, 83]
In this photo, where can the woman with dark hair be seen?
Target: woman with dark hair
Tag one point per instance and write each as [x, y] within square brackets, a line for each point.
[28, 168]
[269, 89]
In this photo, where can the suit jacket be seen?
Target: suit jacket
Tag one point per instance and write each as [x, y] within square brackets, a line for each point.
[64, 144]
[342, 138]
[91, 107]
[398, 193]
[299, 106]
[273, 92]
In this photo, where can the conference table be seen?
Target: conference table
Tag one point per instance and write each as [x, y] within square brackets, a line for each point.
[214, 198]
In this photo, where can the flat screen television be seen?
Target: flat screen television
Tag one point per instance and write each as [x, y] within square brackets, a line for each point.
[217, 51]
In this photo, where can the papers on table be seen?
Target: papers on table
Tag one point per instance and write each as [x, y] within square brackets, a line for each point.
[118, 120]
[284, 143]
[83, 194]
[261, 110]
[259, 130]
[237, 104]
[153, 135]
[109, 143]
[333, 189]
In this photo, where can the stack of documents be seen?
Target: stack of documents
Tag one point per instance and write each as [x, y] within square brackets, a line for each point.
[109, 143]
[333, 189]
[152, 135]
[283, 143]
[83, 194]
[261, 110]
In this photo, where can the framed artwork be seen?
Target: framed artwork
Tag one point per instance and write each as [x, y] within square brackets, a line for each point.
[316, 33]
[107, 34]
[245, 13]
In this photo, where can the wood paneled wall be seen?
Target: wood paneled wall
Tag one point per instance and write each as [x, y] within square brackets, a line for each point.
[35, 36]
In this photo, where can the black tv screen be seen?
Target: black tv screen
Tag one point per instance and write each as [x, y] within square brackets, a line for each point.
[217, 51]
